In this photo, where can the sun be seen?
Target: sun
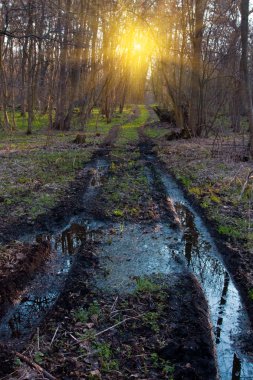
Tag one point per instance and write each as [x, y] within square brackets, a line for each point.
[137, 46]
[134, 47]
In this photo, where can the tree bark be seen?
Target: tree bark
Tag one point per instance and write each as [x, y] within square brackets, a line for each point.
[195, 118]
[246, 83]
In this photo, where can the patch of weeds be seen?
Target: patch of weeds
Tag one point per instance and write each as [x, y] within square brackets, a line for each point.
[214, 198]
[94, 309]
[88, 335]
[152, 320]
[17, 362]
[196, 191]
[105, 354]
[32, 183]
[229, 231]
[24, 180]
[126, 193]
[83, 315]
[129, 131]
[156, 133]
[251, 294]
[38, 357]
[186, 181]
[118, 213]
[166, 367]
[146, 286]
[206, 203]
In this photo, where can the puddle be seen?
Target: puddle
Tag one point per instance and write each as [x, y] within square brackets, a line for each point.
[31, 306]
[229, 318]
[133, 250]
[130, 250]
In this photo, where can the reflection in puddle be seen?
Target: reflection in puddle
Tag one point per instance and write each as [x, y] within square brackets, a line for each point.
[228, 315]
[29, 309]
[236, 372]
[72, 238]
[139, 250]
[222, 307]
[194, 249]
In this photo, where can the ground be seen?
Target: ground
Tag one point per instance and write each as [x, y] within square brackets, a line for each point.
[143, 333]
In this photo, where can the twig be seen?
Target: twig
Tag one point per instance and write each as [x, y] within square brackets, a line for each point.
[234, 178]
[73, 337]
[53, 339]
[119, 323]
[35, 366]
[38, 338]
[246, 184]
[114, 304]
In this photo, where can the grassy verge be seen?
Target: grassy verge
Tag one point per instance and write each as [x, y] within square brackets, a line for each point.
[33, 183]
[95, 129]
[217, 185]
[40, 167]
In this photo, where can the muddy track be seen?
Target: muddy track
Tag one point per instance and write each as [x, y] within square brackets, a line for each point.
[237, 261]
[233, 261]
[81, 271]
[34, 255]
[99, 258]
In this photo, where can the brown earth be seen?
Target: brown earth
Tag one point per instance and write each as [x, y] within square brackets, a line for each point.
[18, 262]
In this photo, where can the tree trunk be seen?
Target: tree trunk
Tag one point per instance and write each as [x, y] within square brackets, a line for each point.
[4, 88]
[195, 119]
[246, 85]
[30, 71]
[63, 76]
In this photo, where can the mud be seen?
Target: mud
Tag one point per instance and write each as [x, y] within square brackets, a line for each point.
[71, 204]
[101, 261]
[111, 138]
[190, 345]
[20, 268]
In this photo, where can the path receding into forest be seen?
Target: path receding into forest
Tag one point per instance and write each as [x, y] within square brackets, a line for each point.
[135, 286]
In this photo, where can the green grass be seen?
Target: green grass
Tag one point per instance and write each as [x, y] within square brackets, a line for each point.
[33, 179]
[95, 129]
[126, 193]
[146, 285]
[156, 132]
[33, 183]
[129, 131]
[98, 124]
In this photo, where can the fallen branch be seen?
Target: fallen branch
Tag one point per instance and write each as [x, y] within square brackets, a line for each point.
[53, 339]
[118, 324]
[35, 366]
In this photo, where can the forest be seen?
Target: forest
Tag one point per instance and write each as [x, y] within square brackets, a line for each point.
[126, 189]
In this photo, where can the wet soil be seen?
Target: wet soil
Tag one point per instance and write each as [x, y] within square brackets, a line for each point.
[70, 204]
[21, 261]
[237, 259]
[165, 331]
[142, 295]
